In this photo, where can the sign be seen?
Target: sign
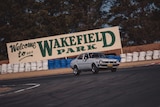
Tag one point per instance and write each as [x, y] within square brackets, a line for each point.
[64, 45]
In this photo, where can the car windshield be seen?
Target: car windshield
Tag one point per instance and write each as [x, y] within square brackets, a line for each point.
[97, 55]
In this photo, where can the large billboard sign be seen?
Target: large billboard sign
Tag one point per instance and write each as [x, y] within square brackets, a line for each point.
[64, 45]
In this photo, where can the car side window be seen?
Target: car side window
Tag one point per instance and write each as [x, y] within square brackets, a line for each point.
[86, 56]
[95, 55]
[91, 55]
[80, 56]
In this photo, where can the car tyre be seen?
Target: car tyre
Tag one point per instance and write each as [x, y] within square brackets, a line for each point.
[76, 71]
[113, 69]
[94, 69]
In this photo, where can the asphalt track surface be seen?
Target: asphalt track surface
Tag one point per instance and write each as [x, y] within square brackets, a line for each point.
[129, 87]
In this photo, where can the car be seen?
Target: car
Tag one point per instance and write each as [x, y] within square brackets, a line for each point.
[93, 61]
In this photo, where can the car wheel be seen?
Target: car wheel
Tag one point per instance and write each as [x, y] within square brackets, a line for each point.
[94, 69]
[76, 71]
[113, 69]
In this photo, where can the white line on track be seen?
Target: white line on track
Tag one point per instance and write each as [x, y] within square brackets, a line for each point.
[158, 63]
[31, 86]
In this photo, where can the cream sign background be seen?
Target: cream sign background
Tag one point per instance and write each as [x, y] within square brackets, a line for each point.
[64, 45]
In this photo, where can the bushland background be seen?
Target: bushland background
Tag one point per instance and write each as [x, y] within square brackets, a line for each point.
[138, 21]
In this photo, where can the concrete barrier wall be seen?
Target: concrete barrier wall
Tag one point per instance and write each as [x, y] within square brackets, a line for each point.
[65, 63]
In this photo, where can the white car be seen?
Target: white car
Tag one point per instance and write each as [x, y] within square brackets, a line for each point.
[93, 61]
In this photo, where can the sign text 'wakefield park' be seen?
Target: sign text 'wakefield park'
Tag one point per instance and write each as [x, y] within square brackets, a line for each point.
[64, 45]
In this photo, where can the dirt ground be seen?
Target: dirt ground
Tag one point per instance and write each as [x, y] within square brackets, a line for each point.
[147, 47]
[130, 49]
[4, 89]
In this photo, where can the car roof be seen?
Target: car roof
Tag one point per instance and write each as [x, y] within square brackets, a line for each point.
[91, 53]
[94, 52]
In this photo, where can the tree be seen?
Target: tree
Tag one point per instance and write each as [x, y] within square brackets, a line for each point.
[139, 20]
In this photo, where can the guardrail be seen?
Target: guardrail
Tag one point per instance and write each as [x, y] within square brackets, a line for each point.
[65, 63]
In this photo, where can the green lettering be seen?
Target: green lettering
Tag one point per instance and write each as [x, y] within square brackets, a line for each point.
[72, 40]
[105, 39]
[46, 48]
[56, 44]
[90, 47]
[80, 48]
[60, 51]
[97, 37]
[79, 38]
[85, 38]
[91, 37]
[70, 50]
[64, 42]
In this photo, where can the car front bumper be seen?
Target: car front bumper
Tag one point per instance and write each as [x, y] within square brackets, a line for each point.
[110, 65]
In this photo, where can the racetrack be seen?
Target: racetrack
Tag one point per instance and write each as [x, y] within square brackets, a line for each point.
[128, 87]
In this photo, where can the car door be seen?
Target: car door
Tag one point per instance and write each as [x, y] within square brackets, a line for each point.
[86, 61]
[80, 61]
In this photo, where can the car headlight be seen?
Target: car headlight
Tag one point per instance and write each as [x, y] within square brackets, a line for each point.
[100, 61]
[117, 62]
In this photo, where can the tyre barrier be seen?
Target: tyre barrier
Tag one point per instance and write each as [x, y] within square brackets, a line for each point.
[0, 69]
[123, 57]
[135, 56]
[129, 57]
[33, 66]
[21, 67]
[59, 63]
[4, 69]
[27, 67]
[68, 62]
[45, 65]
[51, 64]
[15, 68]
[149, 55]
[65, 63]
[140, 56]
[39, 65]
[156, 54]
[114, 57]
[9, 68]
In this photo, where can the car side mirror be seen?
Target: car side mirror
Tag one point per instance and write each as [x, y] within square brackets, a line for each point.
[85, 58]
